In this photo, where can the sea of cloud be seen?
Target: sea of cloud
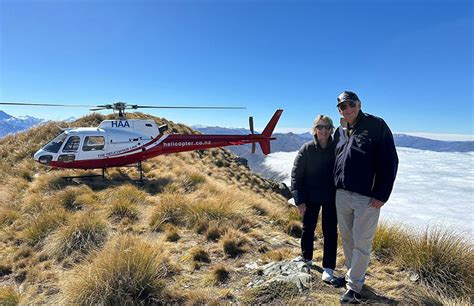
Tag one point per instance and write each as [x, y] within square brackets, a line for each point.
[432, 188]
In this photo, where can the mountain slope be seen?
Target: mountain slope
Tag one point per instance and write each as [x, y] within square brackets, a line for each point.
[198, 231]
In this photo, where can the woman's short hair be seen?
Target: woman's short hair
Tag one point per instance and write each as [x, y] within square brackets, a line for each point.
[323, 118]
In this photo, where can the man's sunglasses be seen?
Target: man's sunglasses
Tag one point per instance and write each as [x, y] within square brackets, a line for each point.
[342, 106]
[322, 126]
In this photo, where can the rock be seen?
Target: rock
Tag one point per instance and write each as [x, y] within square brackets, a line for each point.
[251, 266]
[297, 273]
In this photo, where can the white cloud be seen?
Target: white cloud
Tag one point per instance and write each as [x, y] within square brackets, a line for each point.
[445, 137]
[432, 188]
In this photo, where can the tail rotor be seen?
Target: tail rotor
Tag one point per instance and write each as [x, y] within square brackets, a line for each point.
[254, 146]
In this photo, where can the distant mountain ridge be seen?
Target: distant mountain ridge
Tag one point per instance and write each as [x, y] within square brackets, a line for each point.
[11, 125]
[289, 142]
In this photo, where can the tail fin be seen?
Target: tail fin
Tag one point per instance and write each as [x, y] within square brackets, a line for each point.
[265, 146]
[267, 132]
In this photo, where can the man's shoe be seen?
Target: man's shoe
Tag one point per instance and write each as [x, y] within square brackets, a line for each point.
[338, 282]
[328, 275]
[350, 297]
[300, 258]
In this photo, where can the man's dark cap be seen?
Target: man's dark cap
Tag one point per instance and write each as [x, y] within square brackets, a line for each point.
[347, 96]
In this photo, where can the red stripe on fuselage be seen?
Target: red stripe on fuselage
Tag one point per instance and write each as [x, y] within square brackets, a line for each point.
[172, 144]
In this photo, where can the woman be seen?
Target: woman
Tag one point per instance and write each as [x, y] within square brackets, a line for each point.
[312, 186]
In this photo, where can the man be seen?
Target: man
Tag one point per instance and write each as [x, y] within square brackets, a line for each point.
[364, 173]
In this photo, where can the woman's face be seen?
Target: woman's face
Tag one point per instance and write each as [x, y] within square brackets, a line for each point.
[323, 130]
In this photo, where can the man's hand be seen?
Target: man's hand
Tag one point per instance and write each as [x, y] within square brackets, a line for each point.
[302, 208]
[376, 203]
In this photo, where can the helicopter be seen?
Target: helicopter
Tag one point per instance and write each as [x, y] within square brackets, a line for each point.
[123, 142]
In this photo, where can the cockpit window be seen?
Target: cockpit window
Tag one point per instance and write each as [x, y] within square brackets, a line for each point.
[93, 143]
[54, 145]
[72, 144]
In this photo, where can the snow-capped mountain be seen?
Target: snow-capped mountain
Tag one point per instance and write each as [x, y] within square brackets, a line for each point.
[10, 124]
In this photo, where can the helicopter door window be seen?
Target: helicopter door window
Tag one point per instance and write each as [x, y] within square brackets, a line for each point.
[93, 143]
[72, 144]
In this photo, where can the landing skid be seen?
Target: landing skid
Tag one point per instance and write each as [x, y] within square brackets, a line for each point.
[70, 178]
[138, 165]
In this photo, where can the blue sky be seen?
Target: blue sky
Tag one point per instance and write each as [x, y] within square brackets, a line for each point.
[411, 62]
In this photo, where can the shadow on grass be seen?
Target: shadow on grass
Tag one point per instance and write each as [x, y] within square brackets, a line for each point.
[97, 183]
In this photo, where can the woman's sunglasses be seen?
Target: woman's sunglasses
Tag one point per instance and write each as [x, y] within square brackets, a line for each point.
[322, 126]
[342, 106]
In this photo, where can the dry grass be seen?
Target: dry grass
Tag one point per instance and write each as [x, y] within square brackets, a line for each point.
[171, 233]
[8, 216]
[127, 271]
[84, 233]
[172, 209]
[214, 231]
[234, 243]
[120, 209]
[219, 274]
[294, 228]
[43, 225]
[388, 240]
[442, 258]
[74, 198]
[9, 296]
[197, 254]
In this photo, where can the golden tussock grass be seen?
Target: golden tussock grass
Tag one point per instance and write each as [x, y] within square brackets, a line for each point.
[294, 228]
[205, 296]
[74, 198]
[9, 296]
[173, 209]
[127, 193]
[442, 258]
[388, 240]
[42, 225]
[171, 233]
[218, 274]
[214, 231]
[234, 243]
[278, 255]
[197, 254]
[84, 233]
[8, 216]
[128, 270]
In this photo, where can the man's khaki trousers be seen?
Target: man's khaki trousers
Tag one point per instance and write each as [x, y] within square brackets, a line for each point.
[357, 224]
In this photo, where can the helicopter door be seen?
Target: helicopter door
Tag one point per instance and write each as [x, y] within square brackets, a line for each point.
[93, 147]
[69, 151]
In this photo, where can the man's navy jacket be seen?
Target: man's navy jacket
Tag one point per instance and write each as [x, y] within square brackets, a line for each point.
[366, 158]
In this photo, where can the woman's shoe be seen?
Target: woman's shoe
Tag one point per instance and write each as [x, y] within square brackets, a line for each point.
[328, 275]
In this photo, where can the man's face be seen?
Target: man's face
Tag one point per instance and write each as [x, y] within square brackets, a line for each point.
[349, 110]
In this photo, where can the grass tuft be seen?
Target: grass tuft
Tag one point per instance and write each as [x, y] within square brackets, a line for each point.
[8, 216]
[171, 233]
[43, 225]
[442, 258]
[173, 209]
[234, 243]
[294, 228]
[9, 296]
[127, 271]
[83, 234]
[219, 274]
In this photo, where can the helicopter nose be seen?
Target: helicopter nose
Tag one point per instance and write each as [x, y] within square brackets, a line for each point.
[42, 157]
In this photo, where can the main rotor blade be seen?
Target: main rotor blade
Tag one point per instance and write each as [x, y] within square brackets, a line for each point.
[191, 107]
[41, 104]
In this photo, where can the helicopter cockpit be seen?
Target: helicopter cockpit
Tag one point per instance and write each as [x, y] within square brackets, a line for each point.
[67, 145]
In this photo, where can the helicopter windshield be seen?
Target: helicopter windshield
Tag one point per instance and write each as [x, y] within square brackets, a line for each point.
[54, 145]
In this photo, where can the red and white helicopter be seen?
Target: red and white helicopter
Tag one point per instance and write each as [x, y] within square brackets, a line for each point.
[121, 142]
